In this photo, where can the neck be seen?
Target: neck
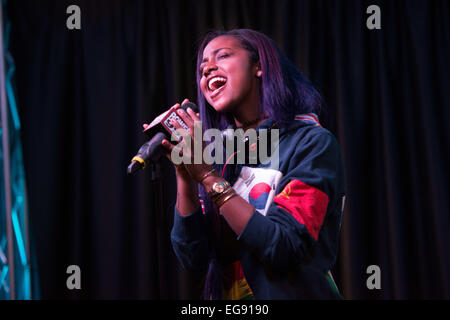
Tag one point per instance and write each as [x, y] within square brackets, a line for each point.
[248, 119]
[249, 114]
[251, 124]
[247, 124]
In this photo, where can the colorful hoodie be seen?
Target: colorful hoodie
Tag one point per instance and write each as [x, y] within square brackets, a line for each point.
[290, 243]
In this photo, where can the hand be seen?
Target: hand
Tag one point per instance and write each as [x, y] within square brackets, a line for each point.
[192, 119]
[180, 170]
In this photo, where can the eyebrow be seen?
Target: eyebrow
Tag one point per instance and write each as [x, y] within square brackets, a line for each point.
[214, 53]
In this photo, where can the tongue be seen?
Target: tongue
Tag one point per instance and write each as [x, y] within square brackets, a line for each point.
[217, 84]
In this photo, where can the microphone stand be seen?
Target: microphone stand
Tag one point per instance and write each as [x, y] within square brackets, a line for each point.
[159, 220]
[155, 170]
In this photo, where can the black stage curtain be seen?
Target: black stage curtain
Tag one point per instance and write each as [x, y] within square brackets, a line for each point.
[84, 95]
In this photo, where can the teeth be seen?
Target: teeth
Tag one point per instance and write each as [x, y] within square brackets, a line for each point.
[210, 83]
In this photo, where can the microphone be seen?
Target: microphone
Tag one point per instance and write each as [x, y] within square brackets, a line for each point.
[157, 131]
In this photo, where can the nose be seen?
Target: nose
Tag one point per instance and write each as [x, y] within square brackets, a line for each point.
[210, 66]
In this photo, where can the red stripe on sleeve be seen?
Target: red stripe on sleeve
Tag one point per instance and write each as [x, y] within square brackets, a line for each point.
[305, 203]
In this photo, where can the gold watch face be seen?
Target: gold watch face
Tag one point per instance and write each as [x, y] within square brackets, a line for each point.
[218, 187]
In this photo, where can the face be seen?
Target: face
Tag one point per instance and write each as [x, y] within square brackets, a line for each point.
[228, 79]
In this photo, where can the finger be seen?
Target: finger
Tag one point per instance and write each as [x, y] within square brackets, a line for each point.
[185, 101]
[176, 106]
[186, 118]
[193, 115]
[171, 148]
[167, 145]
[175, 124]
[180, 131]
[145, 126]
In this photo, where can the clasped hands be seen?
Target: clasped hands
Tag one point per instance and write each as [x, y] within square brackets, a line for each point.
[182, 155]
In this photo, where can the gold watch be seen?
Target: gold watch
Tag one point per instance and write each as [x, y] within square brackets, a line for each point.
[218, 188]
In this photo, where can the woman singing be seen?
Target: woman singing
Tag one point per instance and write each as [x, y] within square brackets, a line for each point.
[260, 231]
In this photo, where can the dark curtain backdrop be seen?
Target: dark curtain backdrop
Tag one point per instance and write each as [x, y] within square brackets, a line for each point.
[84, 95]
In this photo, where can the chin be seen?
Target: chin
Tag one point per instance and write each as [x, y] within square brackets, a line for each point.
[222, 106]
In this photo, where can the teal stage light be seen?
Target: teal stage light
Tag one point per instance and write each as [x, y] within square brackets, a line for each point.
[15, 262]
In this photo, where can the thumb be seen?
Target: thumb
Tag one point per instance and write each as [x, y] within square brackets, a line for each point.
[171, 149]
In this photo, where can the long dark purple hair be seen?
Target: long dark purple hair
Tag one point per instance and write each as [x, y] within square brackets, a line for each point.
[284, 92]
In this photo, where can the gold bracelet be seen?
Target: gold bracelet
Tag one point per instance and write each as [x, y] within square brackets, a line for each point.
[226, 199]
[207, 175]
[221, 201]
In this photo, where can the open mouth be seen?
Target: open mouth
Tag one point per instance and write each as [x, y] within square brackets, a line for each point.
[216, 85]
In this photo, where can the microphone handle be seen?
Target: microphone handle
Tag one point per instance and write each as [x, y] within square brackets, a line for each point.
[150, 151]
